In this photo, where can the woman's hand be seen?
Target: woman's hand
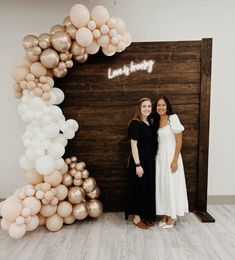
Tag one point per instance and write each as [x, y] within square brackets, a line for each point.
[174, 166]
[139, 171]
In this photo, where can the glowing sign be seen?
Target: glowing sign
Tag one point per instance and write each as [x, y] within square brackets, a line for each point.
[133, 67]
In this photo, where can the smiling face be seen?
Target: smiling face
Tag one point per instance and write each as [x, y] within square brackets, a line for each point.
[146, 108]
[161, 107]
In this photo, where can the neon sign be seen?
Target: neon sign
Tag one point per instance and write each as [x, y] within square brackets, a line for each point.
[133, 67]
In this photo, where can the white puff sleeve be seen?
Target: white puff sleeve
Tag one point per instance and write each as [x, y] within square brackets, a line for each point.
[175, 124]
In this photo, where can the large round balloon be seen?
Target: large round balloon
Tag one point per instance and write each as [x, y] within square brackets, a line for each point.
[49, 58]
[84, 37]
[61, 41]
[79, 15]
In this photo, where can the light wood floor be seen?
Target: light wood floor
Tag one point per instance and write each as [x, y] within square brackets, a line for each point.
[111, 237]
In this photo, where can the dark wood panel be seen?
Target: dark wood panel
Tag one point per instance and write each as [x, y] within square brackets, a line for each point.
[103, 108]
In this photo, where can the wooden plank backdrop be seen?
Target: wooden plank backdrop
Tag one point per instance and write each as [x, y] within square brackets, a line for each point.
[103, 108]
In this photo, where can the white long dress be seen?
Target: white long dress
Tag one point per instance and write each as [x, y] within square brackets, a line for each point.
[171, 195]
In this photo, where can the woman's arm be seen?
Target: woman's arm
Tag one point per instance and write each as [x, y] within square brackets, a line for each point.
[135, 154]
[178, 145]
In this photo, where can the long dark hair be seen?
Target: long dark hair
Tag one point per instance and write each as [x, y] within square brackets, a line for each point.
[156, 116]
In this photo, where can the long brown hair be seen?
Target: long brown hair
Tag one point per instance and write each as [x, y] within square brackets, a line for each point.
[137, 115]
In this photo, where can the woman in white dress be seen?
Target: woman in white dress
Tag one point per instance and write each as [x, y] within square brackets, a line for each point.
[171, 194]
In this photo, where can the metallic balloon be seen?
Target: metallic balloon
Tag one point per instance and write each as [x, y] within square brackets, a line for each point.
[74, 159]
[71, 30]
[59, 73]
[72, 165]
[89, 184]
[76, 195]
[49, 58]
[81, 58]
[72, 172]
[78, 175]
[80, 211]
[30, 41]
[44, 40]
[69, 64]
[67, 180]
[68, 160]
[77, 182]
[30, 54]
[94, 194]
[57, 28]
[67, 21]
[95, 208]
[61, 41]
[85, 174]
[76, 49]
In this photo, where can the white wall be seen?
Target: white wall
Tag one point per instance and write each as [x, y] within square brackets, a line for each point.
[149, 20]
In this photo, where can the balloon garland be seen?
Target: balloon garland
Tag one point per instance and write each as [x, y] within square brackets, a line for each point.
[58, 191]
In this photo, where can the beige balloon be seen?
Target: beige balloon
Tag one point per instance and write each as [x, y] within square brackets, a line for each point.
[94, 194]
[67, 21]
[59, 73]
[69, 220]
[33, 177]
[49, 58]
[19, 73]
[71, 30]
[55, 178]
[54, 223]
[81, 58]
[38, 69]
[61, 41]
[76, 195]
[89, 184]
[30, 55]
[67, 180]
[61, 192]
[48, 210]
[69, 64]
[95, 208]
[57, 28]
[64, 209]
[64, 169]
[30, 41]
[80, 211]
[78, 175]
[68, 160]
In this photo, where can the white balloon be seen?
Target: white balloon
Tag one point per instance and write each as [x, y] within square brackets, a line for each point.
[37, 103]
[51, 130]
[59, 95]
[46, 144]
[59, 164]
[56, 150]
[45, 165]
[69, 134]
[73, 124]
[55, 113]
[61, 139]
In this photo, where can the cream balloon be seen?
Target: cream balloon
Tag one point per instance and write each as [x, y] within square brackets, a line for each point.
[19, 73]
[79, 15]
[64, 209]
[54, 178]
[16, 231]
[61, 192]
[54, 223]
[93, 48]
[11, 209]
[38, 69]
[67, 21]
[48, 210]
[33, 204]
[100, 15]
[69, 220]
[84, 37]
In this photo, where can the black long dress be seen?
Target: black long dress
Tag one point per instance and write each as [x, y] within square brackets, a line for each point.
[141, 191]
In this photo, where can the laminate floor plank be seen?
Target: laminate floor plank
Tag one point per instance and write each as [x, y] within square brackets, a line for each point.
[111, 237]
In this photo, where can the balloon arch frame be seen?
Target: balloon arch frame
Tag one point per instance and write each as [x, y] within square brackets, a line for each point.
[58, 191]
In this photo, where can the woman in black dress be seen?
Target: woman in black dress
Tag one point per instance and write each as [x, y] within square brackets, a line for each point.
[140, 200]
